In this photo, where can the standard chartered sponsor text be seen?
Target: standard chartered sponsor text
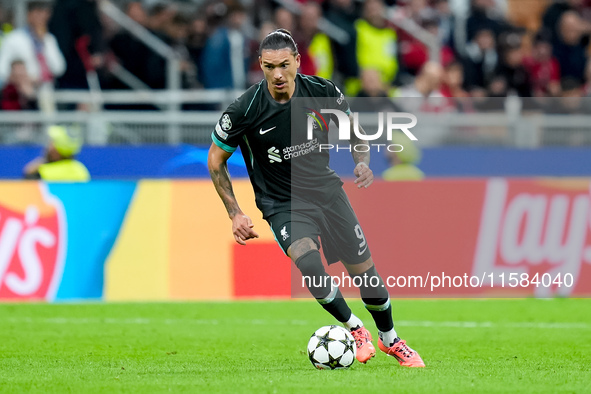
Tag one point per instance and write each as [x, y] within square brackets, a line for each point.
[301, 149]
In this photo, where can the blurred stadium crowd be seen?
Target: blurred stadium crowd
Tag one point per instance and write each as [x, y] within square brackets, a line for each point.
[488, 48]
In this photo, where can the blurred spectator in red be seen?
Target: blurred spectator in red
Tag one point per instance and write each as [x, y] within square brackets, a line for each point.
[34, 46]
[78, 30]
[343, 13]
[316, 43]
[543, 68]
[225, 57]
[19, 92]
[376, 43]
[570, 47]
[480, 61]
[414, 53]
[511, 65]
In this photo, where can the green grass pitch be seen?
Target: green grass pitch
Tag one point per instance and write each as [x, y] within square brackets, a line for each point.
[521, 345]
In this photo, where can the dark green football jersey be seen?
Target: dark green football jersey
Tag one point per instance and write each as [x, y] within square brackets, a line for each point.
[285, 164]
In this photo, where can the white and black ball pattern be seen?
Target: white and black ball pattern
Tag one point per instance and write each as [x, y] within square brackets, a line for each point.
[332, 347]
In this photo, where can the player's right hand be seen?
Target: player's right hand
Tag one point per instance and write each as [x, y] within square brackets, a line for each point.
[242, 228]
[364, 175]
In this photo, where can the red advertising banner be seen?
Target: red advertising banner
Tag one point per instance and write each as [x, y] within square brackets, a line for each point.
[262, 272]
[483, 238]
[32, 242]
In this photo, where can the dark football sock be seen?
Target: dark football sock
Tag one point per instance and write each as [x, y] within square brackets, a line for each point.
[376, 298]
[337, 307]
[321, 286]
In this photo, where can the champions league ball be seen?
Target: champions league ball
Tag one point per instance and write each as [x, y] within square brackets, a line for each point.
[332, 347]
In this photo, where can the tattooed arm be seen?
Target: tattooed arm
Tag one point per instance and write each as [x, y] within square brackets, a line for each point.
[242, 226]
[360, 151]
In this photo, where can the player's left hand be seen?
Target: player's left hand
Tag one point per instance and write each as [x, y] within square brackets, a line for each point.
[364, 175]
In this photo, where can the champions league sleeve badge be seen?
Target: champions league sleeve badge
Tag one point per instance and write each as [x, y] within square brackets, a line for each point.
[226, 122]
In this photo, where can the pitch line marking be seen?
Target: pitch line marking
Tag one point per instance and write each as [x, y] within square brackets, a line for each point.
[256, 322]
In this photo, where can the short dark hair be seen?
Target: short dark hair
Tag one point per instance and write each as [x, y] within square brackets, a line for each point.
[180, 19]
[570, 83]
[38, 5]
[543, 36]
[279, 39]
[158, 8]
[17, 62]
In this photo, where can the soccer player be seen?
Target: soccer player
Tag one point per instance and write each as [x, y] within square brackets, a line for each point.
[301, 198]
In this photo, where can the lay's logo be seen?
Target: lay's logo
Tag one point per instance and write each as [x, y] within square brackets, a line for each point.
[32, 242]
[543, 228]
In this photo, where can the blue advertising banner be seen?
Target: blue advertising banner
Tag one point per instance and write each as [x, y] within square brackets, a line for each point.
[185, 161]
[94, 214]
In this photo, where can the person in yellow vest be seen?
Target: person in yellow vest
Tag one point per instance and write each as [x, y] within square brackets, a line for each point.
[376, 45]
[319, 45]
[404, 162]
[59, 164]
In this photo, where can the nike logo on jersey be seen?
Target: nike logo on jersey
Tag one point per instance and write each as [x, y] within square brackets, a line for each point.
[266, 131]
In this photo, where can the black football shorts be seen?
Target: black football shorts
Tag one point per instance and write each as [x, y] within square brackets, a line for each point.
[336, 226]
